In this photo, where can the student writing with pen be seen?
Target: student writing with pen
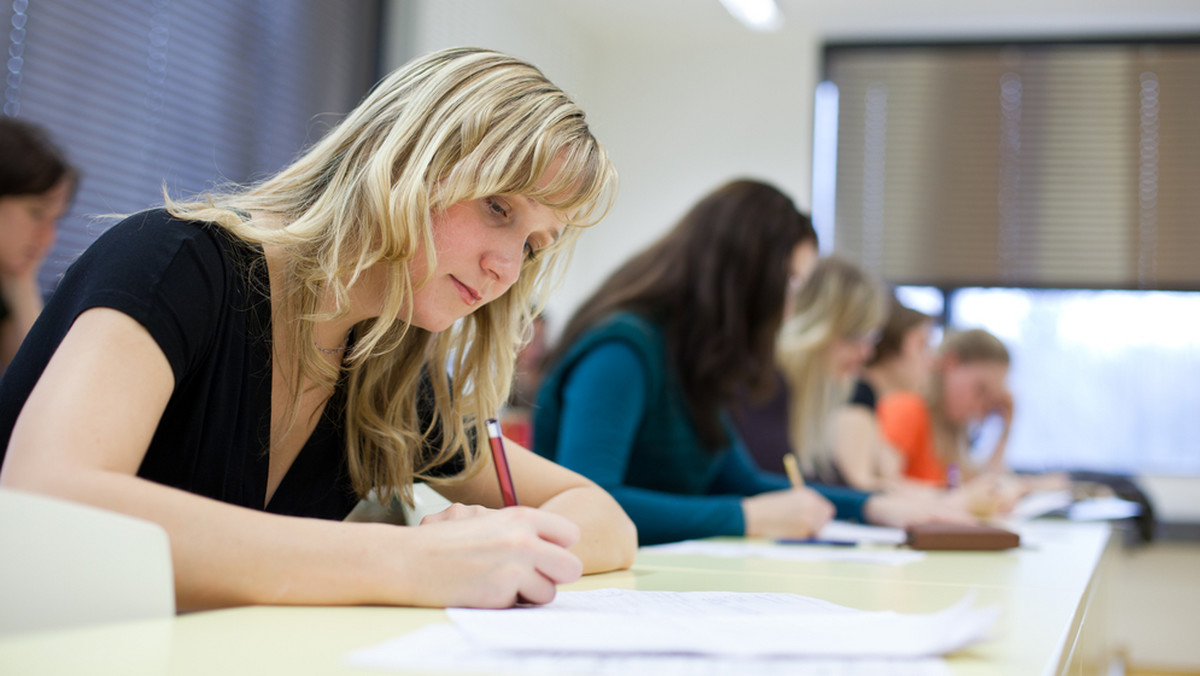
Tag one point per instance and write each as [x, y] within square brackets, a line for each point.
[638, 390]
[244, 368]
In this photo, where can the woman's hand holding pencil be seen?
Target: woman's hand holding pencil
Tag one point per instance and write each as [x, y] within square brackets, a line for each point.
[796, 513]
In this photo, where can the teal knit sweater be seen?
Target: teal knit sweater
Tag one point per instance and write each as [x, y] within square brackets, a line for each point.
[613, 409]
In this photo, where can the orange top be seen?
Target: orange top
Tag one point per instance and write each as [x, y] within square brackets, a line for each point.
[905, 421]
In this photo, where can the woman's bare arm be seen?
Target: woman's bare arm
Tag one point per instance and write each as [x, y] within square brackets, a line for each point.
[86, 427]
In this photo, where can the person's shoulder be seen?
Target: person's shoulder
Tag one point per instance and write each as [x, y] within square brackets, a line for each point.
[156, 234]
[159, 224]
[903, 403]
[623, 337]
[864, 395]
[644, 333]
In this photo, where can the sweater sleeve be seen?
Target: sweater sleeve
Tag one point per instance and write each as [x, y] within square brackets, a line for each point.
[738, 474]
[603, 402]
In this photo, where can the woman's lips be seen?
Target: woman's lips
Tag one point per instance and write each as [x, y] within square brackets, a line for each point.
[469, 296]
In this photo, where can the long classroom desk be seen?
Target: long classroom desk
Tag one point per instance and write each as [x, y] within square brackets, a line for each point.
[1046, 590]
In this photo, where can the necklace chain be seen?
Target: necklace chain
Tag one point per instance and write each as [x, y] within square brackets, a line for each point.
[333, 350]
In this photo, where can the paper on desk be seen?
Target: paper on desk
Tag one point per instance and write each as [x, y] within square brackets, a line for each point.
[890, 557]
[844, 531]
[442, 647]
[1039, 503]
[1102, 509]
[721, 623]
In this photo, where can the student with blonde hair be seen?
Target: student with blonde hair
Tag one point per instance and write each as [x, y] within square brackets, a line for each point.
[831, 332]
[242, 369]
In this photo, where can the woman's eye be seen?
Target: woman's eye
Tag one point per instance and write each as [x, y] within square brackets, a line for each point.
[530, 252]
[497, 208]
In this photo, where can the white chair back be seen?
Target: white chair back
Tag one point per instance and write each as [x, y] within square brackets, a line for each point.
[65, 564]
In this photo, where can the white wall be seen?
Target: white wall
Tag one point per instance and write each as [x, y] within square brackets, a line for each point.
[678, 118]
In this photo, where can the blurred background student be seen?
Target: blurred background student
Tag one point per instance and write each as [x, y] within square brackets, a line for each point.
[831, 332]
[901, 362]
[36, 185]
[639, 391]
[930, 428]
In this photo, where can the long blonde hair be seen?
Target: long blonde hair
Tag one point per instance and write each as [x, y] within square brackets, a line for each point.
[839, 301]
[972, 346]
[455, 125]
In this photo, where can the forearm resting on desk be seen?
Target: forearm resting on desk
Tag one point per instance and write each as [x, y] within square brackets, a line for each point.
[225, 555]
[608, 538]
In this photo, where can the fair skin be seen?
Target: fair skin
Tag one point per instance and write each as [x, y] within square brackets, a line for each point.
[113, 382]
[797, 512]
[28, 225]
[972, 392]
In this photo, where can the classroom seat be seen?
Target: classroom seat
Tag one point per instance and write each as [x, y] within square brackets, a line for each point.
[65, 564]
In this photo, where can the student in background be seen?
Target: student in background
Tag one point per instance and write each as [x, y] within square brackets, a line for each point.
[227, 365]
[930, 428]
[823, 345]
[36, 186]
[638, 393]
[901, 362]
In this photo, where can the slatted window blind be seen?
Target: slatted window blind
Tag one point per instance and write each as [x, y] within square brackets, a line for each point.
[1071, 165]
[191, 94]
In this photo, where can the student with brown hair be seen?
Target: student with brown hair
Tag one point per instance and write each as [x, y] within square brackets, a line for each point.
[36, 186]
[639, 392]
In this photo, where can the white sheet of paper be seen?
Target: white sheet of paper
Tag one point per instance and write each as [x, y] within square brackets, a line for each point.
[442, 647]
[721, 623]
[800, 552]
[1102, 509]
[1038, 503]
[844, 531]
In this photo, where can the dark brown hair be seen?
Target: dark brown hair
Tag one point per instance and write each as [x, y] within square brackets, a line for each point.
[900, 320]
[716, 283]
[31, 163]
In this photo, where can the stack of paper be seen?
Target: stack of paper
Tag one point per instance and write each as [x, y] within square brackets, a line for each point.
[619, 631]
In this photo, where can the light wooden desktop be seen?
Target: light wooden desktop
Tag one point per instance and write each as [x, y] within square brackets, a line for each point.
[1046, 590]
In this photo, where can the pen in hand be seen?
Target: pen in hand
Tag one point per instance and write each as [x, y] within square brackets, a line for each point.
[500, 460]
[793, 471]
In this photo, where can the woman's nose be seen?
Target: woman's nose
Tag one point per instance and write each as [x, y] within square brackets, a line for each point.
[504, 264]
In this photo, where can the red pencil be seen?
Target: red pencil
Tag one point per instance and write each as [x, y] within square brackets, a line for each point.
[500, 459]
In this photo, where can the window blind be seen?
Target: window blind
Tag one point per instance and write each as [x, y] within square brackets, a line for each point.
[1069, 165]
[187, 94]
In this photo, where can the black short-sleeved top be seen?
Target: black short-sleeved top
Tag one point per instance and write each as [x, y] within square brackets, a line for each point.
[863, 395]
[204, 297]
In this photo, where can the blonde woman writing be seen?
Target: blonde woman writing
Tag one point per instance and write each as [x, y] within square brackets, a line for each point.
[244, 368]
